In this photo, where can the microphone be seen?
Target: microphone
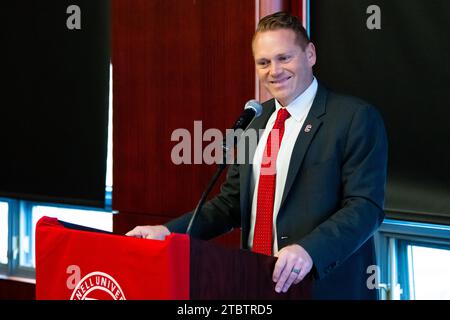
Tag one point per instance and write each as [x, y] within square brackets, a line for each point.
[252, 109]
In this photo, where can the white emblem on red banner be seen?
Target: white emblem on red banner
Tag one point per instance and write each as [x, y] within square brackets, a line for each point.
[97, 286]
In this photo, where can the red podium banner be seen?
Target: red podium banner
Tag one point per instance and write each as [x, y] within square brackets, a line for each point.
[77, 264]
[84, 265]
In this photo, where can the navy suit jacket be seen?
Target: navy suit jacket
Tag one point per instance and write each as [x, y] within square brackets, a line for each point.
[333, 198]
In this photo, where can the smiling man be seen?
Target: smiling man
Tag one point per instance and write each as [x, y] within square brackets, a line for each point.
[284, 61]
[314, 194]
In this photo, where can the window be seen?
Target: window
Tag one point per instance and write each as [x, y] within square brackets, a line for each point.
[19, 237]
[109, 156]
[93, 219]
[414, 259]
[430, 273]
[3, 232]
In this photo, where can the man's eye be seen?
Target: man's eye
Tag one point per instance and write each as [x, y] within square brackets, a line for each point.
[284, 58]
[263, 63]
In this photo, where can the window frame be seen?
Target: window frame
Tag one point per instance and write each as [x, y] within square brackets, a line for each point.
[394, 261]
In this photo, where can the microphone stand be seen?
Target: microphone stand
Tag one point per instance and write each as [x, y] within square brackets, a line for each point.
[198, 209]
[221, 167]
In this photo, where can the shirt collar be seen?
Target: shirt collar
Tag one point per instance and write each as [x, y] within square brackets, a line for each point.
[301, 105]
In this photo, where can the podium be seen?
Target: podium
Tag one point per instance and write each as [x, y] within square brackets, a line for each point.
[78, 263]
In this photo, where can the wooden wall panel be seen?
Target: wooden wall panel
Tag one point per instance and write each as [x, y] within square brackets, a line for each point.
[296, 7]
[174, 61]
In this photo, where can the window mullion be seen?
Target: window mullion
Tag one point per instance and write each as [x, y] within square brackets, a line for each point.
[14, 233]
[404, 268]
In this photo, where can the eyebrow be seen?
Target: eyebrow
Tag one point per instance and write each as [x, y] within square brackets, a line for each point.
[276, 56]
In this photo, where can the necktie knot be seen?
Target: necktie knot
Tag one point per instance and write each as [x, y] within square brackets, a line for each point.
[282, 116]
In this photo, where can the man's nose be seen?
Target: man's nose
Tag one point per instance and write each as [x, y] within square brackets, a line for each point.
[275, 69]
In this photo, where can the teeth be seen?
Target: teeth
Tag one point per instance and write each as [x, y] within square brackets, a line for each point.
[279, 81]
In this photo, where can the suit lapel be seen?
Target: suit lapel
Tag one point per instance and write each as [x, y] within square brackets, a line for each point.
[310, 127]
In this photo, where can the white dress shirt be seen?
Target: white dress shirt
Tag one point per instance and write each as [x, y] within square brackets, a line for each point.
[298, 110]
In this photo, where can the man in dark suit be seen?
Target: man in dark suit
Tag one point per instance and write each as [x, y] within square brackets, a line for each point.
[313, 194]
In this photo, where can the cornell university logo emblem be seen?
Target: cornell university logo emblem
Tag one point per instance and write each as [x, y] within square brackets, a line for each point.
[97, 286]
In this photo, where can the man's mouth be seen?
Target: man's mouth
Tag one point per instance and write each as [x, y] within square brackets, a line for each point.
[280, 81]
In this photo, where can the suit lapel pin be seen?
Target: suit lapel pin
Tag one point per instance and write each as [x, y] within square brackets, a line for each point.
[308, 128]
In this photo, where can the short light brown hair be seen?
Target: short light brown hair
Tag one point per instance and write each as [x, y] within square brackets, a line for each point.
[284, 20]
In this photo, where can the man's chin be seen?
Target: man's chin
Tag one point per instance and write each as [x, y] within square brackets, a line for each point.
[281, 99]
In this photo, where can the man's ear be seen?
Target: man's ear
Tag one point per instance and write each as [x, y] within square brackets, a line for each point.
[310, 51]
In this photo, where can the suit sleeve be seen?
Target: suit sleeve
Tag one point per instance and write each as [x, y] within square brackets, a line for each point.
[363, 177]
[219, 215]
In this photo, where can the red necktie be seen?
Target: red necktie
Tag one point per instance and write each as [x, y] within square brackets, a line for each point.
[262, 239]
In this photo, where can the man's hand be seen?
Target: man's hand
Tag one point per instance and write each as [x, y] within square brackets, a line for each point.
[293, 264]
[149, 232]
